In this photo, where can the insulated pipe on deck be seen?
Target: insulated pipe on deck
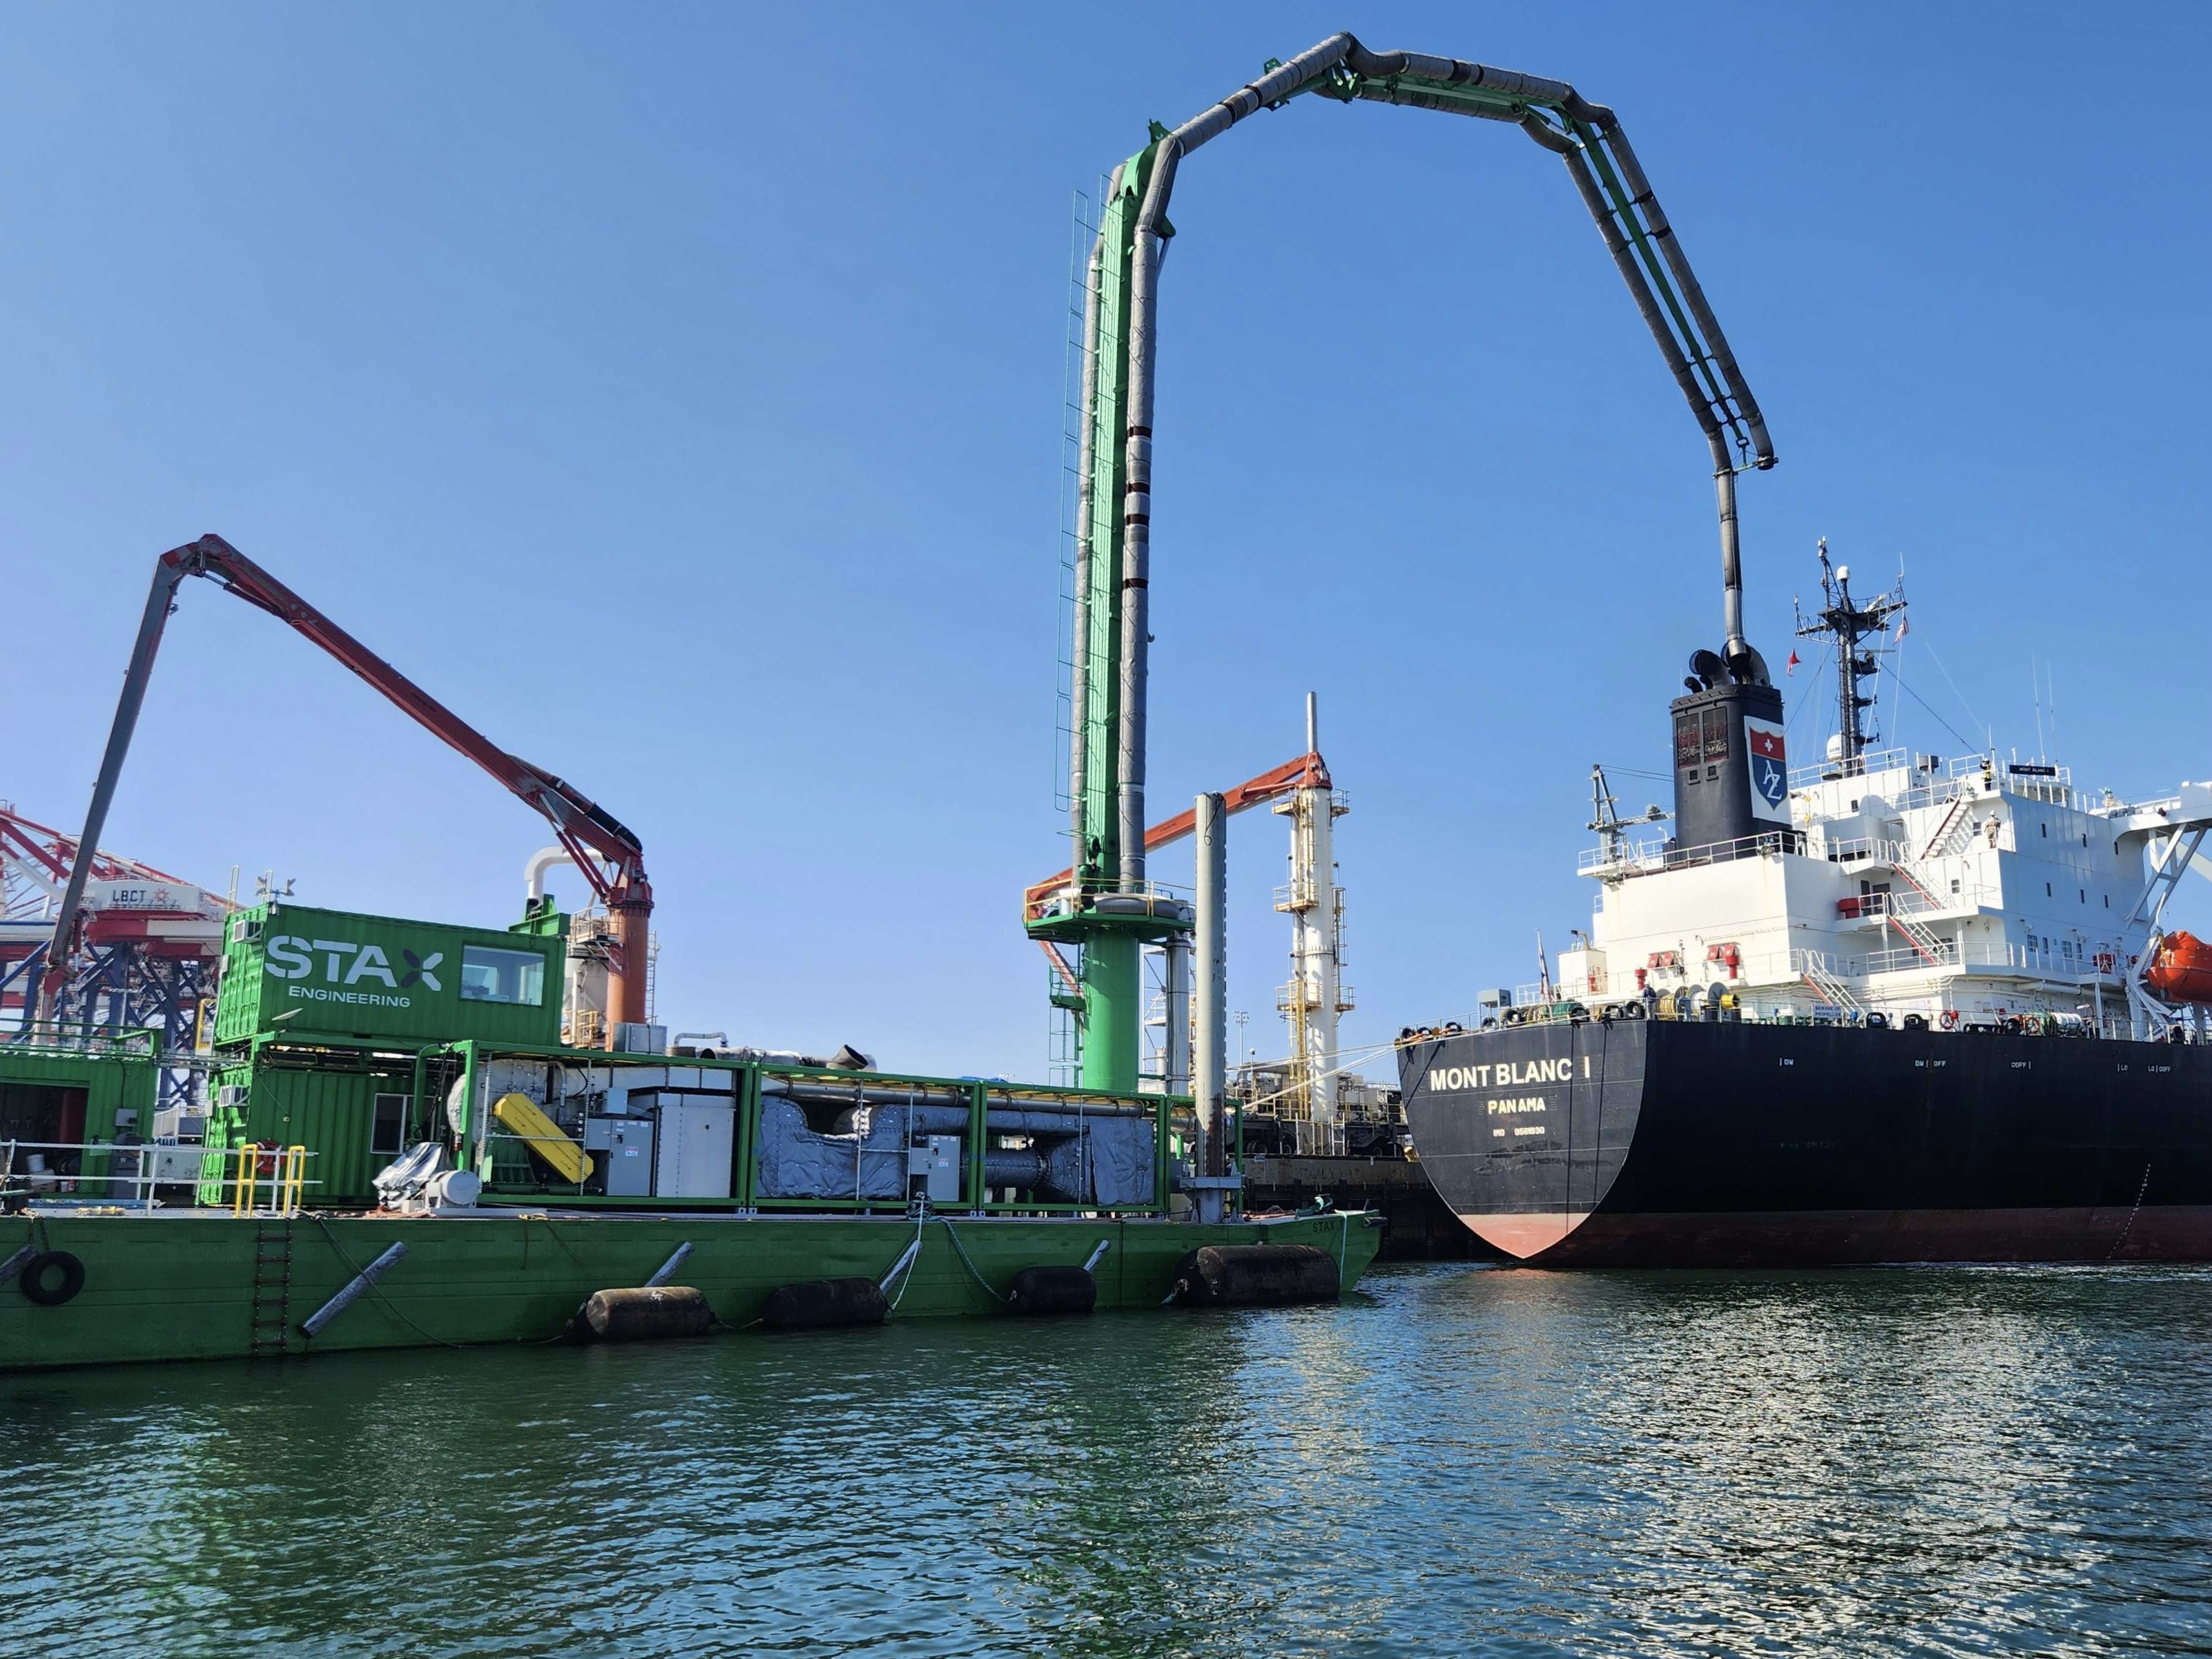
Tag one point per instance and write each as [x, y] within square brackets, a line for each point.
[1734, 648]
[1693, 294]
[1143, 347]
[1079, 672]
[1175, 1052]
[1017, 1113]
[1511, 83]
[1595, 125]
[1210, 1078]
[1737, 651]
[1136, 529]
[534, 873]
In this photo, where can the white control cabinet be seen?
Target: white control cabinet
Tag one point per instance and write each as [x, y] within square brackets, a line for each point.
[697, 1145]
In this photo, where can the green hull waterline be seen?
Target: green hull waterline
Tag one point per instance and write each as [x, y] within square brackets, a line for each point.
[183, 1285]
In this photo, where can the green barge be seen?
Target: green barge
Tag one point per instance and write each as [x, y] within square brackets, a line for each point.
[205, 1286]
[400, 1150]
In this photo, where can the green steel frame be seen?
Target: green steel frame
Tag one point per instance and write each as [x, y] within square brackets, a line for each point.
[1106, 746]
[1174, 1130]
[1109, 1011]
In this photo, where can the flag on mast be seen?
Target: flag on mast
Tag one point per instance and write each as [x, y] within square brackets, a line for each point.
[1790, 667]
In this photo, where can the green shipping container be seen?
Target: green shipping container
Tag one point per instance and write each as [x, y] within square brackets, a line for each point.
[354, 1122]
[58, 1095]
[291, 970]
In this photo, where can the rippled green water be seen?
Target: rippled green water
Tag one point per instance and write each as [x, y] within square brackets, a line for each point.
[1461, 1460]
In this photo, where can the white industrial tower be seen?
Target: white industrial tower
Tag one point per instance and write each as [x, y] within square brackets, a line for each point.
[1317, 992]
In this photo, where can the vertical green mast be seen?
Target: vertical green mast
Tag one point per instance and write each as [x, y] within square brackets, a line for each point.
[1111, 925]
[1105, 903]
[1095, 766]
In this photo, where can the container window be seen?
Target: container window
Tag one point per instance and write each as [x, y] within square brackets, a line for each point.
[490, 976]
[387, 1134]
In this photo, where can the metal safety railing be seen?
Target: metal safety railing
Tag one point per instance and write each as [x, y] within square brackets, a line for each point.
[280, 1173]
[75, 1038]
[1642, 856]
[248, 1180]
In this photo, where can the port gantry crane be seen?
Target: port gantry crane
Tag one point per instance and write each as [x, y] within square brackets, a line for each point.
[609, 855]
[1107, 906]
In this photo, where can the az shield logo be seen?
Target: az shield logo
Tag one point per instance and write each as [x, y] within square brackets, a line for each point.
[419, 969]
[1770, 769]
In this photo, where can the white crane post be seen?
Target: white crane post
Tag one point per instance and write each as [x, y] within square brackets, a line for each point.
[1317, 972]
[1175, 1048]
[1210, 1066]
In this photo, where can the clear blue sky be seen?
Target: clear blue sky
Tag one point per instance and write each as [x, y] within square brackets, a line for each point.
[676, 391]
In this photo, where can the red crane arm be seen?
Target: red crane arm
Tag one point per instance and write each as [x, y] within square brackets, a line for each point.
[588, 833]
[1308, 771]
[584, 828]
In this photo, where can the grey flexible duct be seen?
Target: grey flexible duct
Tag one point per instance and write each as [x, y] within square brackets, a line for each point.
[1079, 682]
[1590, 125]
[1137, 497]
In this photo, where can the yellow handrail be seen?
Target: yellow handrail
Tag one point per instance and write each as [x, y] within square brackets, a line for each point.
[287, 1180]
[294, 1166]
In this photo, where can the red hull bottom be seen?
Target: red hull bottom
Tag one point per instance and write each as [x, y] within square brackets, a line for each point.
[1810, 1238]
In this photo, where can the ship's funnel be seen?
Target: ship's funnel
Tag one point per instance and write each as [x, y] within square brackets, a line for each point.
[1731, 765]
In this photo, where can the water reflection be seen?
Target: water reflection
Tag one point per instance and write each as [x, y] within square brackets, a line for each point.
[1932, 1461]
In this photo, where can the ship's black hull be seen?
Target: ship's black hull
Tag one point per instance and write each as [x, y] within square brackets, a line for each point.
[1690, 1143]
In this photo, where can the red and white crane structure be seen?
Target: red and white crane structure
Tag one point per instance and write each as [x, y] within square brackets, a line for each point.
[609, 855]
[148, 940]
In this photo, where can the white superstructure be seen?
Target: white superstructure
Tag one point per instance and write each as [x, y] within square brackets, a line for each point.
[1968, 891]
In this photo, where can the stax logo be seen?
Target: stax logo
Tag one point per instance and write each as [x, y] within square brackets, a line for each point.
[344, 963]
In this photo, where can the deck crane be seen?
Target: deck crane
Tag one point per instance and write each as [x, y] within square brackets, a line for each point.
[1113, 911]
[609, 856]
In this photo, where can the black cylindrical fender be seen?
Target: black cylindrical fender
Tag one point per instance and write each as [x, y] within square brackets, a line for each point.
[819, 1304]
[1255, 1276]
[651, 1314]
[1051, 1290]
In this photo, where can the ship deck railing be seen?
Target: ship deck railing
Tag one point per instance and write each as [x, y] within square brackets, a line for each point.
[2003, 957]
[130, 1176]
[1645, 855]
[2087, 967]
[1915, 902]
[1878, 763]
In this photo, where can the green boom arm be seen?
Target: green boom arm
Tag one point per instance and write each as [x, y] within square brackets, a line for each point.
[1113, 512]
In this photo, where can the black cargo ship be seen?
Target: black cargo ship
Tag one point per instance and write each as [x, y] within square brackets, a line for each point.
[1689, 1143]
[1886, 1007]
